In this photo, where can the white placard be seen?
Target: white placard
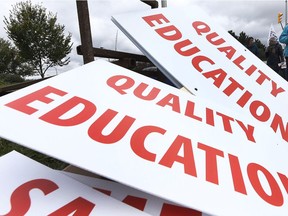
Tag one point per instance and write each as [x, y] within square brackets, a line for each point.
[187, 45]
[150, 136]
[29, 188]
[138, 199]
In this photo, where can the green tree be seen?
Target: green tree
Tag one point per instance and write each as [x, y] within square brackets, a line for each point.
[243, 39]
[233, 34]
[10, 61]
[40, 40]
[261, 48]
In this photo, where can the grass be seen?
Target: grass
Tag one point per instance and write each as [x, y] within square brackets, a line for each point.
[7, 146]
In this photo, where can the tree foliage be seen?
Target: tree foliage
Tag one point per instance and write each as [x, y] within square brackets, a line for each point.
[8, 57]
[10, 62]
[243, 38]
[40, 40]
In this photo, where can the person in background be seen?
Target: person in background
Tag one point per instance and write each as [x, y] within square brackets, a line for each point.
[284, 39]
[251, 45]
[274, 55]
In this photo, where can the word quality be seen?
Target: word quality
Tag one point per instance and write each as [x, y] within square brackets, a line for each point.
[172, 148]
[209, 69]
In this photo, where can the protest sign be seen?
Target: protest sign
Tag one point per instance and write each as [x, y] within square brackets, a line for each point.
[155, 138]
[187, 45]
[30, 188]
[138, 199]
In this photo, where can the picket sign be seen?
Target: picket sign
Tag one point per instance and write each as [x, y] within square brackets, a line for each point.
[30, 188]
[187, 45]
[155, 138]
[138, 199]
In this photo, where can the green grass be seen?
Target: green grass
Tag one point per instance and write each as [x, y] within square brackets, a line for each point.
[7, 146]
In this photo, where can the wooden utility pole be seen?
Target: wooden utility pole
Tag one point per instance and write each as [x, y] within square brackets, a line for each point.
[85, 31]
[152, 3]
[163, 3]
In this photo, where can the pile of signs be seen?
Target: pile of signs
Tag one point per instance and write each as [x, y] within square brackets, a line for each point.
[219, 151]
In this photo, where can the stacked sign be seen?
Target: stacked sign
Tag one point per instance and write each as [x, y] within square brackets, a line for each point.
[138, 199]
[210, 63]
[29, 188]
[189, 151]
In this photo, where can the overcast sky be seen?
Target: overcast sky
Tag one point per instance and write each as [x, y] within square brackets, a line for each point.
[252, 17]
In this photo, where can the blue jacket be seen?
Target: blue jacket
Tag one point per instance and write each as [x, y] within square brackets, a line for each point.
[284, 39]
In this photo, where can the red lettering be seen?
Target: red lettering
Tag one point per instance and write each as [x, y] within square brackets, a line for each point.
[175, 103]
[284, 181]
[262, 77]
[79, 207]
[54, 116]
[211, 162]
[278, 123]
[238, 61]
[275, 90]
[249, 130]
[201, 27]
[276, 197]
[215, 42]
[251, 70]
[229, 50]
[210, 117]
[96, 129]
[169, 33]
[265, 115]
[244, 98]
[226, 121]
[103, 191]
[20, 200]
[155, 19]
[135, 202]
[217, 75]
[138, 92]
[232, 87]
[172, 210]
[238, 181]
[188, 51]
[120, 83]
[22, 104]
[138, 141]
[190, 107]
[199, 59]
[188, 157]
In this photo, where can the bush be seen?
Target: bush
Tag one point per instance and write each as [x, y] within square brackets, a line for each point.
[2, 83]
[11, 78]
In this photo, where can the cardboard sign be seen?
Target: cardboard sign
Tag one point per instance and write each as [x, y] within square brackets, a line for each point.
[138, 199]
[189, 47]
[29, 188]
[152, 137]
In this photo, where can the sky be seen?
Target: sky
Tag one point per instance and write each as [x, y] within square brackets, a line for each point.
[252, 17]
